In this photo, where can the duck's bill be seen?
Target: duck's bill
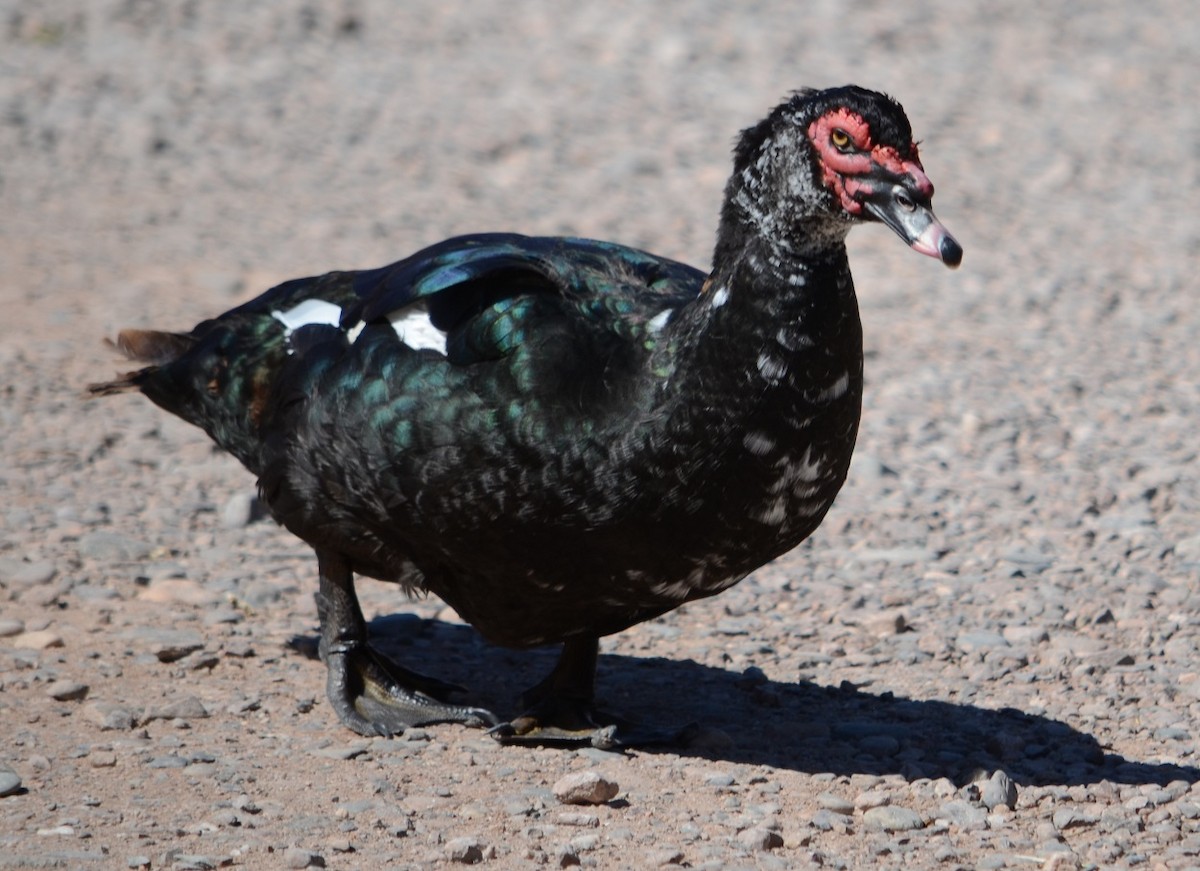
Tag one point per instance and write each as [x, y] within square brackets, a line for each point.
[915, 223]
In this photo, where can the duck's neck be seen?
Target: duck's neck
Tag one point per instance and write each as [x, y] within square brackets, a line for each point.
[770, 326]
[761, 405]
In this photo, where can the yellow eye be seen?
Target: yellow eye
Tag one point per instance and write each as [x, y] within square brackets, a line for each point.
[840, 140]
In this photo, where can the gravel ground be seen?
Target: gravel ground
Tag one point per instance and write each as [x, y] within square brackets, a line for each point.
[986, 658]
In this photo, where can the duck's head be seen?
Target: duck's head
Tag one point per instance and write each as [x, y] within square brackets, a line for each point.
[824, 160]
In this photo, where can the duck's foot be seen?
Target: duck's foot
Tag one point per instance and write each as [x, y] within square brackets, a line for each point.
[373, 695]
[561, 723]
[559, 711]
[370, 693]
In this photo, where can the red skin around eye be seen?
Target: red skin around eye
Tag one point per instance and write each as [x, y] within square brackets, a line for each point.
[839, 170]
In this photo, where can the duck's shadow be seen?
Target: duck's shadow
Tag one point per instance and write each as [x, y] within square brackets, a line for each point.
[798, 726]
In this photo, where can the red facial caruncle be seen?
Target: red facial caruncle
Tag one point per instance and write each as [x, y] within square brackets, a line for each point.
[848, 156]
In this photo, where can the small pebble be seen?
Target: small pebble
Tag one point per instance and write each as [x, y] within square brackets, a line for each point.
[9, 628]
[246, 804]
[826, 820]
[188, 707]
[760, 839]
[298, 857]
[963, 814]
[1072, 818]
[466, 851]
[871, 799]
[42, 639]
[566, 856]
[893, 818]
[585, 787]
[578, 819]
[997, 790]
[835, 803]
[346, 751]
[54, 831]
[179, 591]
[10, 781]
[110, 716]
[67, 691]
[193, 862]
[113, 547]
[20, 574]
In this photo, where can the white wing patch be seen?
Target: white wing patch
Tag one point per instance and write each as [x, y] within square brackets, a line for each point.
[311, 311]
[720, 297]
[414, 329]
[412, 326]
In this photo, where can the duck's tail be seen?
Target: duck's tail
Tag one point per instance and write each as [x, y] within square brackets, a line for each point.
[155, 347]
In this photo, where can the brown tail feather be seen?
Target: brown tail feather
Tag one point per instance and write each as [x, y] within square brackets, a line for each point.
[128, 381]
[146, 346]
[153, 346]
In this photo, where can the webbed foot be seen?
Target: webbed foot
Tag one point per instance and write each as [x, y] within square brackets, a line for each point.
[373, 695]
[370, 693]
[559, 711]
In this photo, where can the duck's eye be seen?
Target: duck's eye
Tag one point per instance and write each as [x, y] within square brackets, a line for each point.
[840, 139]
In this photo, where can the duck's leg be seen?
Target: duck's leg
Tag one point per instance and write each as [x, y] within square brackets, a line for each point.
[370, 693]
[559, 709]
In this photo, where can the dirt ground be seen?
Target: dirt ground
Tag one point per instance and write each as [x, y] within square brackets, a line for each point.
[987, 656]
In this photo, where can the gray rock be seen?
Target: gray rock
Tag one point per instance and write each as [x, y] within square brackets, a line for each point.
[113, 547]
[38, 639]
[893, 818]
[835, 803]
[166, 645]
[585, 787]
[466, 851]
[980, 641]
[664, 856]
[826, 820]
[298, 857]
[10, 781]
[186, 708]
[1188, 549]
[1073, 818]
[760, 839]
[584, 820]
[963, 814]
[344, 752]
[567, 856]
[171, 760]
[997, 790]
[110, 716]
[9, 627]
[19, 574]
[584, 843]
[67, 690]
[195, 862]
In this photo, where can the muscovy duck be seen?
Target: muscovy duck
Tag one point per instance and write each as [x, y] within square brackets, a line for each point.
[561, 437]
